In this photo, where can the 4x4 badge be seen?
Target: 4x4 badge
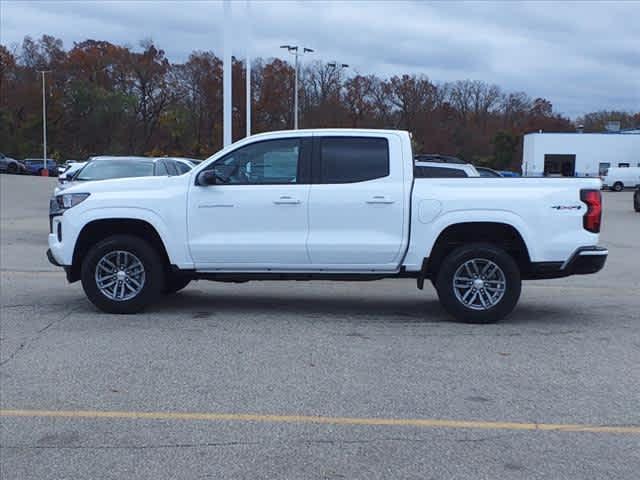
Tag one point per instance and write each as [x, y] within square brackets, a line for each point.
[566, 207]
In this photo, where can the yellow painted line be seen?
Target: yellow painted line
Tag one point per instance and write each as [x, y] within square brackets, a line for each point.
[390, 422]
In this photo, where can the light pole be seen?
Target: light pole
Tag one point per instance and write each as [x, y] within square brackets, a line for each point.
[336, 66]
[295, 51]
[227, 93]
[248, 74]
[45, 172]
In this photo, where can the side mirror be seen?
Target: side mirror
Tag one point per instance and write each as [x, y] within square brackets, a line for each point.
[208, 177]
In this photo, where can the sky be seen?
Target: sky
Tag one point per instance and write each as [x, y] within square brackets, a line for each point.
[582, 56]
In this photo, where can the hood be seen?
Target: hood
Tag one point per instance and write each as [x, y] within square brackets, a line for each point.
[119, 184]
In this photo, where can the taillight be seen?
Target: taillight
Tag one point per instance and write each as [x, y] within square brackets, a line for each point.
[593, 218]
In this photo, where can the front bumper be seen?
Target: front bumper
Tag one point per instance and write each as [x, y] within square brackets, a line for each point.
[52, 259]
[585, 260]
[67, 268]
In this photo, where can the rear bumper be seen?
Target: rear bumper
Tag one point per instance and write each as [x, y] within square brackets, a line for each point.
[585, 260]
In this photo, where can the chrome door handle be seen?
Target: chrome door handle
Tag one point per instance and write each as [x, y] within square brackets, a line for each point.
[380, 200]
[286, 200]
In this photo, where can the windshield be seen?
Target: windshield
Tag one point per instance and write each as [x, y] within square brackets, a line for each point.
[106, 169]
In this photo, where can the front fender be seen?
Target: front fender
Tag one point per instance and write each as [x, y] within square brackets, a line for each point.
[173, 242]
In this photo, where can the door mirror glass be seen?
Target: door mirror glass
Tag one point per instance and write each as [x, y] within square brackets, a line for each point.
[223, 173]
[206, 178]
[217, 174]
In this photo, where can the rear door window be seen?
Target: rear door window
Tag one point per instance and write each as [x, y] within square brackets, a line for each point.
[353, 159]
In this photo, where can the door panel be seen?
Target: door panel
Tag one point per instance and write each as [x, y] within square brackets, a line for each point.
[256, 215]
[248, 225]
[355, 221]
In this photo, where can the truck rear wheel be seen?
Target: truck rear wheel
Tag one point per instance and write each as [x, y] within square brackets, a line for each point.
[479, 283]
[122, 274]
[617, 187]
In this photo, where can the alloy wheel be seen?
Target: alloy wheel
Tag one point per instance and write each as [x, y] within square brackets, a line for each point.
[479, 284]
[120, 275]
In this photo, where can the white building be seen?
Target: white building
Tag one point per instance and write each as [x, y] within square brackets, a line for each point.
[579, 154]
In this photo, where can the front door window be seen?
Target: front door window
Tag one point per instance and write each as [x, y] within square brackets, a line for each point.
[272, 162]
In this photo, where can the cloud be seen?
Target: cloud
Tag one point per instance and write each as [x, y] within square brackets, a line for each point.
[582, 56]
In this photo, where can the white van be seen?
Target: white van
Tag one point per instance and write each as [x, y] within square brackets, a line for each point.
[619, 178]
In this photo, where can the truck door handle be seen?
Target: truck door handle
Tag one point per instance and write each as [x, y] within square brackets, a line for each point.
[287, 200]
[380, 200]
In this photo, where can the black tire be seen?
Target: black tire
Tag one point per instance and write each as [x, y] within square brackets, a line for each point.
[482, 252]
[174, 283]
[153, 267]
[617, 187]
[12, 168]
[636, 202]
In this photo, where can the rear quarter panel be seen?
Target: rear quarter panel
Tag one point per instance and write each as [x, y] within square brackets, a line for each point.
[547, 213]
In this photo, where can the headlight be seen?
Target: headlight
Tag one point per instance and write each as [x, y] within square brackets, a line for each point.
[68, 200]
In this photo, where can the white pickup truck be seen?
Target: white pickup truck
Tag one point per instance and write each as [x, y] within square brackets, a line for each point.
[325, 205]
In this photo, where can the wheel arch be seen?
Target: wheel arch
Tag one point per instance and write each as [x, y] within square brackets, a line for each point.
[501, 234]
[99, 229]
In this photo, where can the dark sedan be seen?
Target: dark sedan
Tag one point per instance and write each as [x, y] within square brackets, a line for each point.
[11, 165]
[35, 166]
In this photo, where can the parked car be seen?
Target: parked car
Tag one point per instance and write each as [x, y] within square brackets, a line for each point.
[184, 164]
[11, 165]
[108, 168]
[70, 169]
[636, 199]
[619, 178]
[66, 164]
[436, 157]
[443, 170]
[36, 165]
[508, 173]
[488, 172]
[336, 204]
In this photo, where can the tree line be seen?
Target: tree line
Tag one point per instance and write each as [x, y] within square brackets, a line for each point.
[104, 98]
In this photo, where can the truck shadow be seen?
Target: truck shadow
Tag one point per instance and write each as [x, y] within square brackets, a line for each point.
[371, 309]
[309, 306]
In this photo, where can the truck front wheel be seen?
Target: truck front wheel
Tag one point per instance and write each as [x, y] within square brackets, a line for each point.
[122, 274]
[478, 283]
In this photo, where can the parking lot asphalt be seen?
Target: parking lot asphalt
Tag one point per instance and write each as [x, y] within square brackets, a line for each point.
[315, 380]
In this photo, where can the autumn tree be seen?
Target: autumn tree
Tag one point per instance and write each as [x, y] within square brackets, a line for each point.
[104, 98]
